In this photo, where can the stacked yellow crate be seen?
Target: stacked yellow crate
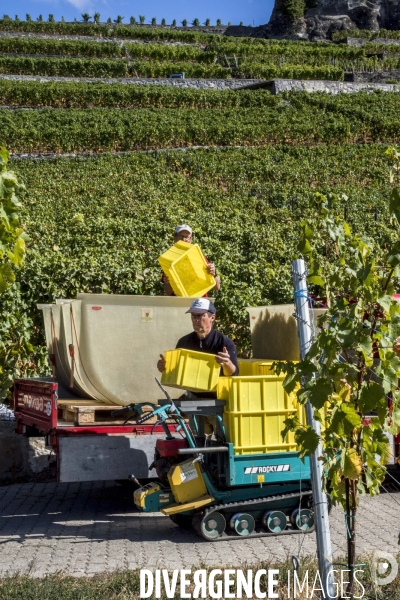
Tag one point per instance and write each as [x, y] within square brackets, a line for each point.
[255, 411]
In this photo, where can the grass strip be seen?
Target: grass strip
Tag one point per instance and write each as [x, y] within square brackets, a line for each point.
[126, 585]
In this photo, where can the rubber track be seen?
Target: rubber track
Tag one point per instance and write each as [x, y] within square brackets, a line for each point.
[225, 537]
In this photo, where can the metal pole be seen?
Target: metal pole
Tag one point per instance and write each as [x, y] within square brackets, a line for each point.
[324, 548]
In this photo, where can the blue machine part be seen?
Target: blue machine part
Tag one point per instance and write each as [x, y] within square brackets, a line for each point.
[302, 519]
[273, 467]
[274, 521]
[243, 523]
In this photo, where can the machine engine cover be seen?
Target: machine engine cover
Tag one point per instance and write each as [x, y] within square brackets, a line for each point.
[168, 448]
[186, 481]
[152, 497]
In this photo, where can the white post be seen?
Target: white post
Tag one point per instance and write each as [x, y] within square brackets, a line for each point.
[324, 548]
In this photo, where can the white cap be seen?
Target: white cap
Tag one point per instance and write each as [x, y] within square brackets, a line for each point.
[202, 305]
[183, 227]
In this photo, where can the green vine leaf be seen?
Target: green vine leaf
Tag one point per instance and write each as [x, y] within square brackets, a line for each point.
[371, 396]
[352, 465]
[344, 420]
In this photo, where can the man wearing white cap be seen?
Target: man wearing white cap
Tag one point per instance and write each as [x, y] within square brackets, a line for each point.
[184, 233]
[206, 339]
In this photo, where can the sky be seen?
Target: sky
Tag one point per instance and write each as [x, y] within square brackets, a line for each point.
[251, 12]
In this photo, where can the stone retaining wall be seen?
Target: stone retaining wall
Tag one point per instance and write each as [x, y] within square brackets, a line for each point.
[276, 86]
[330, 87]
[360, 42]
[220, 84]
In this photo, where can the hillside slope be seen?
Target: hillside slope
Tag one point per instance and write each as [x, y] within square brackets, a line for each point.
[98, 223]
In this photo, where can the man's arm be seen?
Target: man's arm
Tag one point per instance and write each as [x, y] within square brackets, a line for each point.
[223, 358]
[161, 363]
[228, 358]
[212, 270]
[167, 286]
[217, 286]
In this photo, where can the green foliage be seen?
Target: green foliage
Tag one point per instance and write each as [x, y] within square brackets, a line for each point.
[12, 237]
[23, 45]
[254, 57]
[352, 363]
[93, 67]
[294, 9]
[171, 53]
[240, 202]
[64, 67]
[88, 95]
[14, 345]
[306, 119]
[390, 34]
[117, 30]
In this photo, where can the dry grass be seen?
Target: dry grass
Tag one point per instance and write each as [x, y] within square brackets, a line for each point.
[125, 585]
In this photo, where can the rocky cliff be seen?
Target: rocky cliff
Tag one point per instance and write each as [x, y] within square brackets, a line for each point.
[324, 17]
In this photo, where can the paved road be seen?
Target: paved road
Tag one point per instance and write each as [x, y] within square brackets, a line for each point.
[83, 529]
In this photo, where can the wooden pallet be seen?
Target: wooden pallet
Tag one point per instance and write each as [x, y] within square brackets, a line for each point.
[90, 412]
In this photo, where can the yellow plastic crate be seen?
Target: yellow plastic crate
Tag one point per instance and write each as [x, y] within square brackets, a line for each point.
[255, 366]
[255, 411]
[186, 269]
[194, 371]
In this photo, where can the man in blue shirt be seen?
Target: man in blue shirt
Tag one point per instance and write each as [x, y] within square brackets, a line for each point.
[206, 339]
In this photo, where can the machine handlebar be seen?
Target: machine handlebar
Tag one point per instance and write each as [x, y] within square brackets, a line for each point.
[145, 418]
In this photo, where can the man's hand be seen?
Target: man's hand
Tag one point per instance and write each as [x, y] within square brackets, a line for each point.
[223, 358]
[211, 269]
[161, 363]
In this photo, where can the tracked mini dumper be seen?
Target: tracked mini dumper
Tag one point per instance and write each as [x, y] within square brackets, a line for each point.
[205, 485]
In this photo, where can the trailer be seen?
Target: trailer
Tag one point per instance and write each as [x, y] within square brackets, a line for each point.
[87, 442]
[103, 351]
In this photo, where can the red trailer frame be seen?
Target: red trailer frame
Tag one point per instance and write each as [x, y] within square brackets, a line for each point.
[36, 413]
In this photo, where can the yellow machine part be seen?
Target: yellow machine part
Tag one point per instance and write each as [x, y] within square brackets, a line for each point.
[173, 509]
[186, 482]
[139, 497]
